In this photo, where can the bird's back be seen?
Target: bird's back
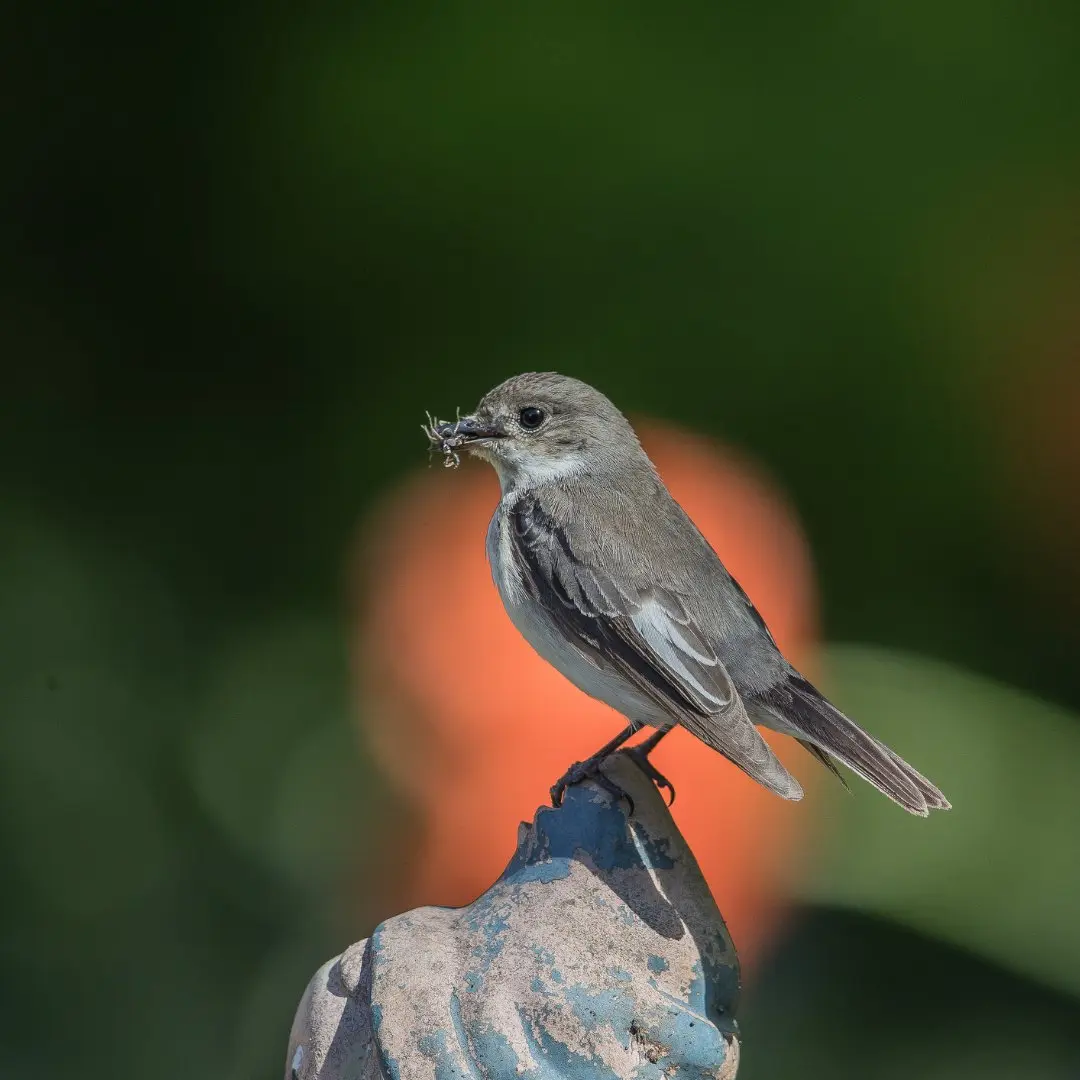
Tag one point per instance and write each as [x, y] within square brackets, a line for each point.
[607, 527]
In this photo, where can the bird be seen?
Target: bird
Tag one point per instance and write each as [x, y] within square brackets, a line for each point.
[611, 582]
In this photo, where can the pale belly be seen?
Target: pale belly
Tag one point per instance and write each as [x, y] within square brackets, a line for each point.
[534, 625]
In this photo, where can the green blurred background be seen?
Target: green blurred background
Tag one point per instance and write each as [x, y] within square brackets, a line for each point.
[245, 247]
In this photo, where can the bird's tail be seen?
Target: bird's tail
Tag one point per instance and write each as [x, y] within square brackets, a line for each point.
[827, 733]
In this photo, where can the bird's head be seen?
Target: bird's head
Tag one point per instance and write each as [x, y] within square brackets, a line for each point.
[541, 426]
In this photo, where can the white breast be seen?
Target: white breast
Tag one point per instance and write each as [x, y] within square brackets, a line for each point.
[602, 683]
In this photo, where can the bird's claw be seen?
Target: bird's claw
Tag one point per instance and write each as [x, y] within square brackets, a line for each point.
[588, 770]
[642, 761]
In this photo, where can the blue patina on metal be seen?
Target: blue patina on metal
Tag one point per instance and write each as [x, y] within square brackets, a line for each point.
[587, 825]
[599, 954]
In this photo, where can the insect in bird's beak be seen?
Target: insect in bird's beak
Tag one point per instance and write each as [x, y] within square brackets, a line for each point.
[448, 436]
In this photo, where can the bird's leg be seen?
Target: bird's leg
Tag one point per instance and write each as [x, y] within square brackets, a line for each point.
[590, 769]
[640, 754]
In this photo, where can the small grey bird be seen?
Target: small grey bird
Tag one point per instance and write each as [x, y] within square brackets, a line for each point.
[610, 581]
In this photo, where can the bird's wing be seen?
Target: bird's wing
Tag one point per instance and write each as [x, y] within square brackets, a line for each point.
[645, 633]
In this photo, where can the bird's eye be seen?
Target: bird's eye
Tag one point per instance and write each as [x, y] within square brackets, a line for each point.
[531, 417]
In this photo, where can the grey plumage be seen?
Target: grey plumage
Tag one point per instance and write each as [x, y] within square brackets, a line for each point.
[612, 583]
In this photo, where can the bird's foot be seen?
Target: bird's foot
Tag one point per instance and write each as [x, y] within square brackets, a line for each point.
[588, 770]
[640, 754]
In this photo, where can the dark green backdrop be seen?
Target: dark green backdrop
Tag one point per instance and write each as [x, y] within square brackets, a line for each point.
[245, 247]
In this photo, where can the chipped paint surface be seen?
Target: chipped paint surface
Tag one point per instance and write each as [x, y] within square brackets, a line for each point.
[598, 955]
[331, 1037]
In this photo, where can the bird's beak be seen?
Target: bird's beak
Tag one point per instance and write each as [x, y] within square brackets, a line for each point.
[468, 429]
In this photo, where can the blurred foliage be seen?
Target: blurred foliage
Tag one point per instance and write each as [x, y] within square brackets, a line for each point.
[245, 247]
[998, 875]
[889, 1004]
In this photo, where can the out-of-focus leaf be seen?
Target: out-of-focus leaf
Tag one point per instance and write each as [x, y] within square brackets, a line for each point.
[999, 873]
[272, 756]
[890, 1004]
[80, 715]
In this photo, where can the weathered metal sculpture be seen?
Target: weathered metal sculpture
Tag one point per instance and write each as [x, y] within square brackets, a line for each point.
[599, 952]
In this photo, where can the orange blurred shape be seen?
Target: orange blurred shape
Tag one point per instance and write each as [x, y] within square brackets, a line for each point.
[474, 727]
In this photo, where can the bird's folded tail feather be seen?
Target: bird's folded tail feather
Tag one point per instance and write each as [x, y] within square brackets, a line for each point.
[826, 732]
[741, 743]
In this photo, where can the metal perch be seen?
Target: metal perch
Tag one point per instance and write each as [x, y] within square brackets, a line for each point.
[599, 953]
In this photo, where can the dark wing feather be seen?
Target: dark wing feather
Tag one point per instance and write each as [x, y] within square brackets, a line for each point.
[645, 633]
[826, 730]
[825, 760]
